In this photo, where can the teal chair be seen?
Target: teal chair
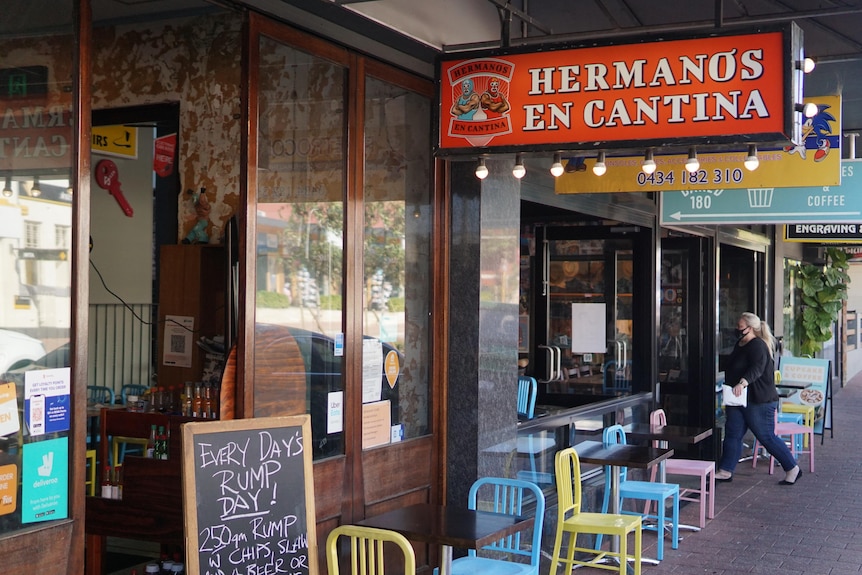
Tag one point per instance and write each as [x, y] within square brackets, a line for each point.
[649, 491]
[131, 389]
[511, 497]
[527, 391]
[100, 394]
[530, 445]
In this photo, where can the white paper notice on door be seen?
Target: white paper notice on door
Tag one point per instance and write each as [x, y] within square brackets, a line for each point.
[372, 369]
[178, 340]
[589, 328]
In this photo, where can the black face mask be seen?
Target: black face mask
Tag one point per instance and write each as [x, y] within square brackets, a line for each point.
[741, 333]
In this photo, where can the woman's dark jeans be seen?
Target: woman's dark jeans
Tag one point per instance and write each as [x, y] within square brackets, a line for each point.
[760, 419]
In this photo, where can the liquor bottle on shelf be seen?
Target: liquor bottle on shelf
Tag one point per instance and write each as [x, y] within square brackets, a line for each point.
[197, 402]
[208, 402]
[106, 483]
[188, 398]
[151, 442]
[117, 483]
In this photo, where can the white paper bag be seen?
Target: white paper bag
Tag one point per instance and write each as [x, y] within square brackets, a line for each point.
[731, 400]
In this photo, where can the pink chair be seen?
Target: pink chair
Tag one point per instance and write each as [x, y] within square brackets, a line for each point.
[705, 470]
[790, 430]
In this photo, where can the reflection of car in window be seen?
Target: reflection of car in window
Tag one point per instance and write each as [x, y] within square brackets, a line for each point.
[18, 349]
[277, 372]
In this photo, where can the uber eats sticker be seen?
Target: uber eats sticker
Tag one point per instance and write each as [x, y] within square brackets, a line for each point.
[45, 484]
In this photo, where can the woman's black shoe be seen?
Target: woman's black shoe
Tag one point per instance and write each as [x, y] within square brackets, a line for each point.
[785, 482]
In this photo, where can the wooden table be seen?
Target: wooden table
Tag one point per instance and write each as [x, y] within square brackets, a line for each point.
[449, 526]
[617, 456]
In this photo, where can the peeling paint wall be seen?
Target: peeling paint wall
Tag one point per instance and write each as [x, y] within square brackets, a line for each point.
[195, 61]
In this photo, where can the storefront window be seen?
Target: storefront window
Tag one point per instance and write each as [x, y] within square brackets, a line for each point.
[300, 241]
[36, 159]
[397, 263]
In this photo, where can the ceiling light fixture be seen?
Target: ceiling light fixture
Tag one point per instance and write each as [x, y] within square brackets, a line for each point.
[751, 162]
[599, 168]
[518, 170]
[806, 65]
[35, 191]
[557, 167]
[481, 169]
[648, 165]
[7, 189]
[692, 164]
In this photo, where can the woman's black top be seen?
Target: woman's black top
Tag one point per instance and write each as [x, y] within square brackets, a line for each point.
[754, 363]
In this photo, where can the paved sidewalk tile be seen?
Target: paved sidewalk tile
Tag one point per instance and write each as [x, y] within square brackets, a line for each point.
[811, 528]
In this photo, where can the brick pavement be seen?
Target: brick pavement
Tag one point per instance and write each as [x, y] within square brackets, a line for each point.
[811, 528]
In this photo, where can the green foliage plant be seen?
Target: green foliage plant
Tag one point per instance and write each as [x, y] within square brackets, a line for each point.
[823, 290]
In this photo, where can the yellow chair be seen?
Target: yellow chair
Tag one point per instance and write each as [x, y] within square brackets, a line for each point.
[91, 473]
[807, 411]
[571, 520]
[366, 550]
[118, 443]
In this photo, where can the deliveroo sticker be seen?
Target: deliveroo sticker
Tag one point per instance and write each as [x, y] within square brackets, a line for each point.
[45, 483]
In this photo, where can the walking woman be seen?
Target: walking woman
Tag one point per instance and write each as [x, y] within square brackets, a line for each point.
[752, 368]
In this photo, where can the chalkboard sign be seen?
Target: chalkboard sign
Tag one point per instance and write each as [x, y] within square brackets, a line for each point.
[249, 497]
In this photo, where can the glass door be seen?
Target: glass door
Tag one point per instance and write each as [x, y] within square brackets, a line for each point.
[686, 381]
[587, 346]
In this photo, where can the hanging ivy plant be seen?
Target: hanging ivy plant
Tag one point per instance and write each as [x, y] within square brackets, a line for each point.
[823, 290]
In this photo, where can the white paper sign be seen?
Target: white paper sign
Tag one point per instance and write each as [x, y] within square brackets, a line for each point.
[589, 328]
[178, 341]
[372, 369]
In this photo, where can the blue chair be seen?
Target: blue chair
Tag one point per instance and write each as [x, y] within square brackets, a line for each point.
[131, 389]
[527, 391]
[530, 445]
[615, 377]
[100, 394]
[511, 497]
[642, 490]
[97, 395]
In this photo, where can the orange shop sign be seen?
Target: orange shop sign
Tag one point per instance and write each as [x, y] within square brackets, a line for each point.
[718, 89]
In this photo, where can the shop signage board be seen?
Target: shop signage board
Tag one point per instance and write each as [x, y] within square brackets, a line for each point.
[815, 162]
[716, 89]
[120, 141]
[767, 205]
[248, 494]
[833, 233]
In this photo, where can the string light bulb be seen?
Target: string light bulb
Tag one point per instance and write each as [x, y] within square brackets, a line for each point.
[599, 168]
[7, 189]
[35, 191]
[518, 170]
[806, 65]
[692, 164]
[648, 166]
[751, 162]
[557, 167]
[481, 169]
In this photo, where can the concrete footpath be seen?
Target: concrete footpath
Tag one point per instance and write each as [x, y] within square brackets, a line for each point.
[813, 527]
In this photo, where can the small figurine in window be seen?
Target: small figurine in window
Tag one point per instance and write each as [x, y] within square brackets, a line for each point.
[198, 234]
